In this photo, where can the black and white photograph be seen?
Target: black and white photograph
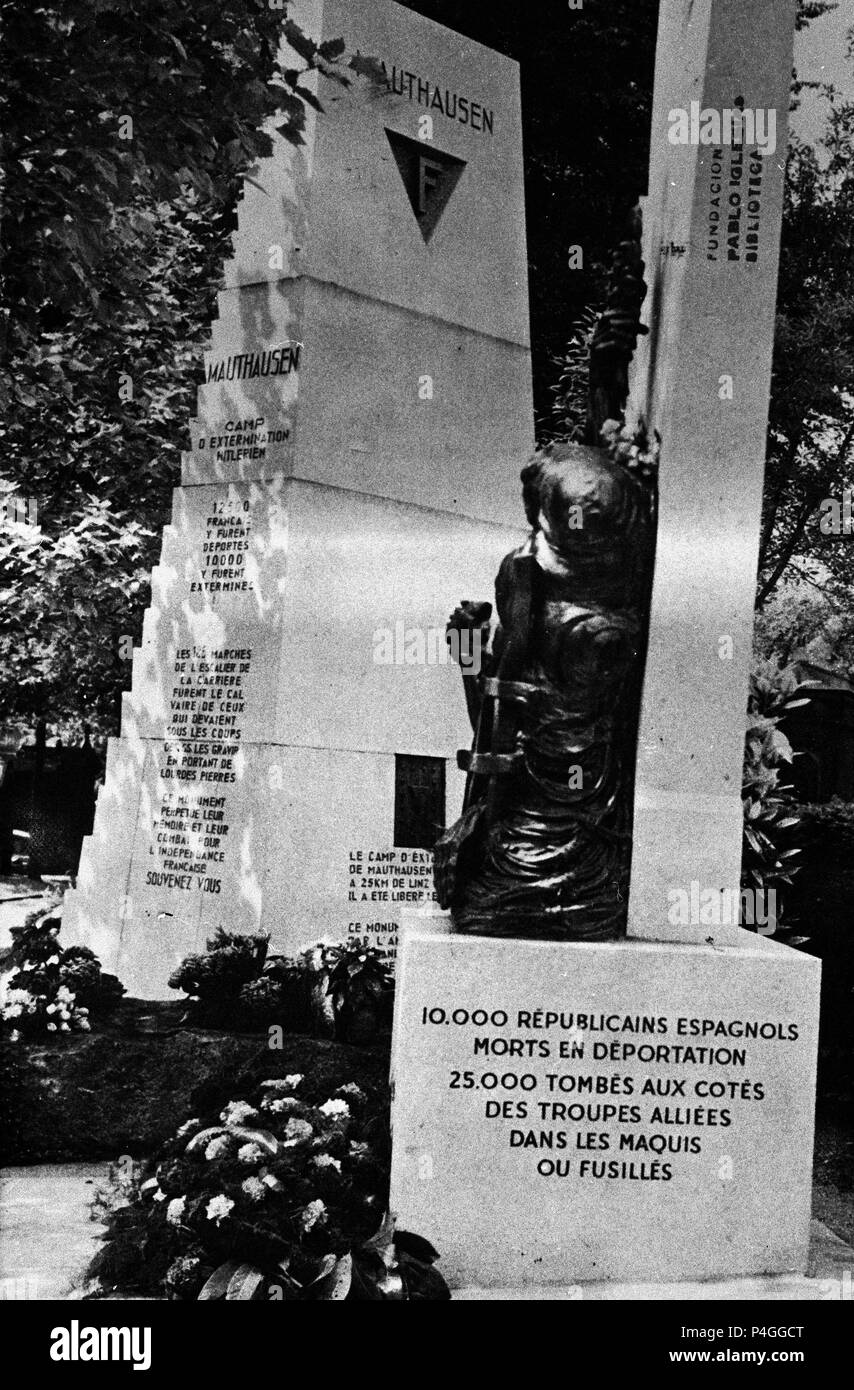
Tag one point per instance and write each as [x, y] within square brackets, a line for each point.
[427, 668]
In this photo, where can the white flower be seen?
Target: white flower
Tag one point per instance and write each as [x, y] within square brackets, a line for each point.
[254, 1188]
[314, 952]
[237, 1112]
[270, 1180]
[14, 1036]
[64, 1028]
[280, 1106]
[13, 1011]
[218, 1208]
[327, 1161]
[351, 1089]
[296, 1131]
[84, 1025]
[314, 1214]
[175, 1210]
[358, 1150]
[51, 1027]
[187, 1128]
[160, 1195]
[54, 960]
[250, 1153]
[217, 1147]
[51, 1008]
[334, 1108]
[64, 995]
[283, 1083]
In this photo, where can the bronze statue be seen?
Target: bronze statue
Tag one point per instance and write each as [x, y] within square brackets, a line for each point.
[543, 846]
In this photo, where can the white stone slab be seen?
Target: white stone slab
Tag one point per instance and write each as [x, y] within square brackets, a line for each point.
[344, 181]
[711, 313]
[310, 380]
[361, 570]
[336, 603]
[496, 1209]
[460, 450]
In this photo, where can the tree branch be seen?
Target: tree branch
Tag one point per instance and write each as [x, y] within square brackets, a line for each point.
[788, 468]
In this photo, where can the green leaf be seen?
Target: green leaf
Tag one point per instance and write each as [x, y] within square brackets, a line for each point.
[382, 1242]
[302, 45]
[332, 49]
[416, 1246]
[779, 746]
[217, 1286]
[204, 1137]
[363, 1288]
[369, 67]
[309, 97]
[334, 1286]
[262, 1137]
[244, 1285]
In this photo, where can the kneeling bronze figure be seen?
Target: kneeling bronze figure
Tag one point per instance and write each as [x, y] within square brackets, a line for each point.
[543, 845]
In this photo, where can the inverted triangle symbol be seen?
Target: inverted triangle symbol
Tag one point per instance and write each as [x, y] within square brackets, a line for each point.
[429, 177]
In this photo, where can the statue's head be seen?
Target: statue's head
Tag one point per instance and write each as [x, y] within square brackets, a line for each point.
[587, 512]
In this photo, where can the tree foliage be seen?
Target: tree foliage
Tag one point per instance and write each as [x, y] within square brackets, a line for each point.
[125, 141]
[811, 433]
[801, 622]
[126, 134]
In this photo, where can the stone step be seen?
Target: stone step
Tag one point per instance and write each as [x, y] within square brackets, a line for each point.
[48, 1234]
[828, 1278]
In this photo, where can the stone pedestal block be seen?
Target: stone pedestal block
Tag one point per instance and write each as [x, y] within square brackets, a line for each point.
[626, 1111]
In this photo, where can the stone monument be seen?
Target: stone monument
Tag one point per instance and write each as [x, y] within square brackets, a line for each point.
[283, 761]
[636, 1108]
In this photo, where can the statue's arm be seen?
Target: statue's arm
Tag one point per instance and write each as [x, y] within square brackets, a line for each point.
[467, 635]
